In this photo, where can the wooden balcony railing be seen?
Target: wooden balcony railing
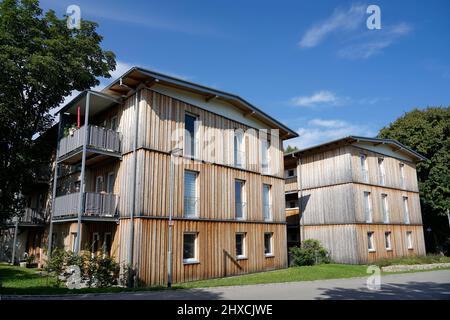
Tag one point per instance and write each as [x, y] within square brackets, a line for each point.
[99, 138]
[100, 205]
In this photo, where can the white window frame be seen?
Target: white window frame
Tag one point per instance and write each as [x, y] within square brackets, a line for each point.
[94, 236]
[104, 243]
[73, 239]
[270, 218]
[364, 167]
[195, 258]
[406, 217]
[382, 171]
[239, 148]
[271, 253]
[243, 200]
[402, 175]
[409, 241]
[371, 242]
[385, 207]
[196, 197]
[388, 240]
[288, 175]
[244, 245]
[114, 118]
[195, 137]
[368, 213]
[97, 184]
[265, 154]
[108, 177]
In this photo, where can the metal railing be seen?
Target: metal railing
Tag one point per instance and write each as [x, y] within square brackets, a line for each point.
[240, 210]
[190, 206]
[98, 137]
[30, 216]
[95, 205]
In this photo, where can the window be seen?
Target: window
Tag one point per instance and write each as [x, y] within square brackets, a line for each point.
[405, 210]
[110, 182]
[364, 170]
[385, 206]
[95, 242]
[113, 123]
[370, 241]
[291, 204]
[265, 145]
[73, 237]
[387, 240]
[409, 239]
[99, 184]
[402, 174]
[239, 207]
[267, 203]
[240, 245]
[381, 172]
[290, 173]
[190, 247]
[367, 207]
[239, 155]
[190, 193]
[107, 244]
[190, 138]
[268, 244]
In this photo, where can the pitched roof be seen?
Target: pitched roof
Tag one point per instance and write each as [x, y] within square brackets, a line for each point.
[394, 144]
[136, 75]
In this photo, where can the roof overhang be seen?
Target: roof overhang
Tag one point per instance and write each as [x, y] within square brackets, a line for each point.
[393, 144]
[98, 102]
[136, 76]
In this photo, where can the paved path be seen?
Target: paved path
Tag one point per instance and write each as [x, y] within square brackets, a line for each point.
[420, 285]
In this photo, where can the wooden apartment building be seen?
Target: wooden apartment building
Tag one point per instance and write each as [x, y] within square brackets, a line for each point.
[358, 196]
[113, 179]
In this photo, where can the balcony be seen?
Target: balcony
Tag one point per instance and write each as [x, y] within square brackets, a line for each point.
[101, 206]
[30, 217]
[101, 142]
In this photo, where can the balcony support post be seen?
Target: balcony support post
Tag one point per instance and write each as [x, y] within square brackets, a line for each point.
[83, 173]
[55, 178]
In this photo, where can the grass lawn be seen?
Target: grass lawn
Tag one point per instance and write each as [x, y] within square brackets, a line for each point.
[16, 280]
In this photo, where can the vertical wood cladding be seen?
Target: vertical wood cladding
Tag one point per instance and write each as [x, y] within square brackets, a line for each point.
[349, 243]
[216, 188]
[215, 246]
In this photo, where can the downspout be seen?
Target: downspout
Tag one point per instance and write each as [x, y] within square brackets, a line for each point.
[133, 192]
[300, 199]
[82, 176]
[55, 177]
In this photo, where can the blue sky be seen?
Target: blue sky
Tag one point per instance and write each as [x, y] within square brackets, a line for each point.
[313, 65]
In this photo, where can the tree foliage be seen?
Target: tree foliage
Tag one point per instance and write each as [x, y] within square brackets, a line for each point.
[428, 132]
[41, 62]
[290, 149]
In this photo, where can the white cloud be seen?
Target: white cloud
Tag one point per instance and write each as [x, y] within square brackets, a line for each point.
[340, 20]
[317, 131]
[374, 42]
[356, 41]
[320, 97]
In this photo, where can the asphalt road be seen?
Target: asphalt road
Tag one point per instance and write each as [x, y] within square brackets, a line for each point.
[420, 285]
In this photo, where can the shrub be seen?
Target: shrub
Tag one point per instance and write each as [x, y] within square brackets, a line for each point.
[95, 271]
[414, 259]
[310, 253]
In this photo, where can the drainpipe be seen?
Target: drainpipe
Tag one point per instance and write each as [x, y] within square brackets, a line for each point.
[300, 199]
[55, 177]
[133, 192]
[83, 174]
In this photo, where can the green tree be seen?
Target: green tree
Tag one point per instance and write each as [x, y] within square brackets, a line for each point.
[41, 62]
[290, 149]
[428, 132]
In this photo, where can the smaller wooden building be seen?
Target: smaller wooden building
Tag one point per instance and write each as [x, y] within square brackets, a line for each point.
[358, 196]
